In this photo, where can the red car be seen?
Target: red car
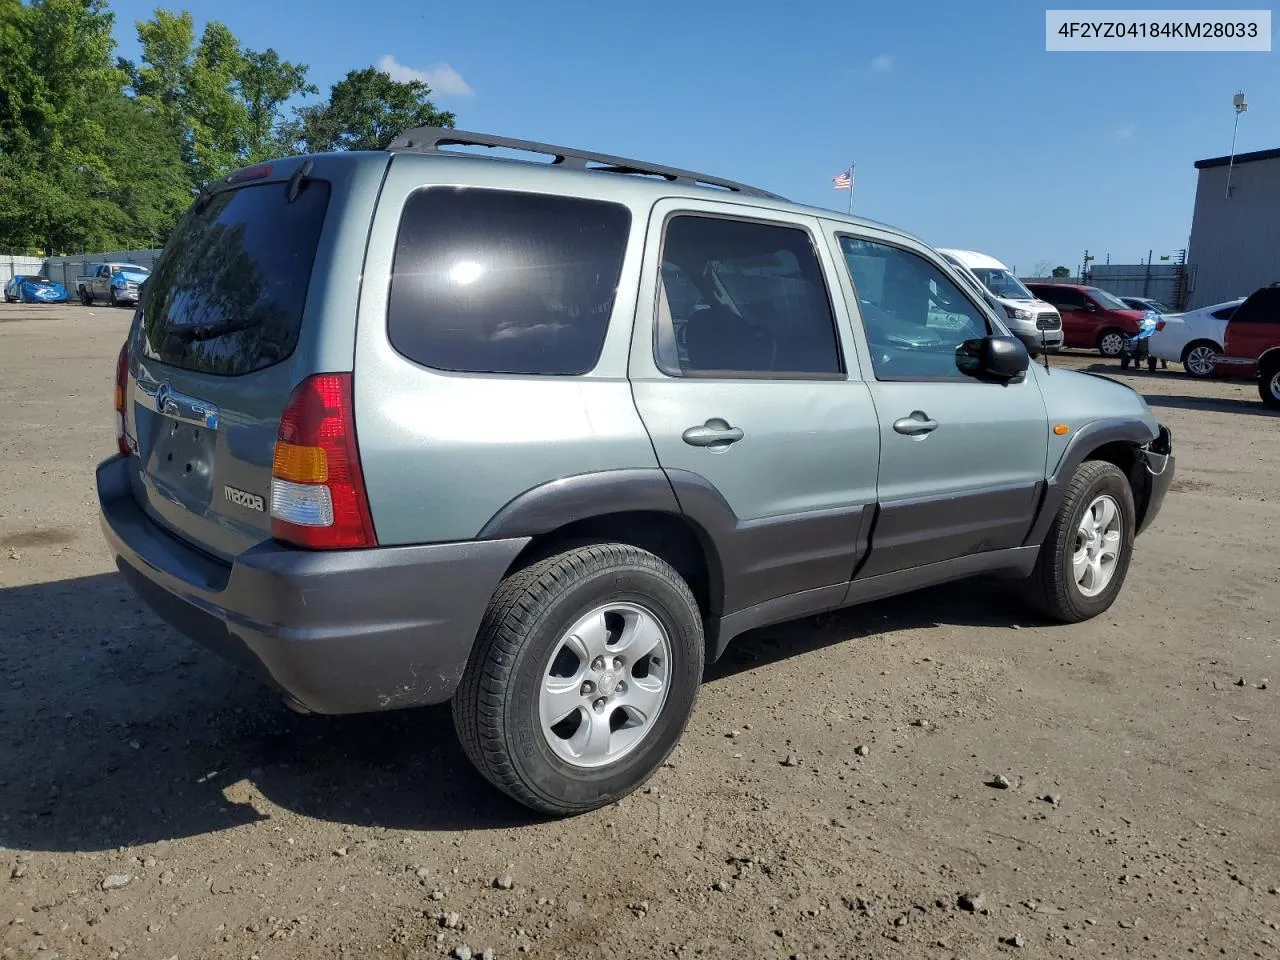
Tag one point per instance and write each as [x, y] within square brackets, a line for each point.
[1091, 318]
[1251, 345]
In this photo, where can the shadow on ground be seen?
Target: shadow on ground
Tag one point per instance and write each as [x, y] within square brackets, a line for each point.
[1249, 407]
[119, 732]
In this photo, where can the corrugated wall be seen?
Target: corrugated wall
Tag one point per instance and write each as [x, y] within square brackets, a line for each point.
[12, 266]
[1235, 241]
[65, 269]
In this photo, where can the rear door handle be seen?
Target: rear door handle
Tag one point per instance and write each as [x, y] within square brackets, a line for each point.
[714, 433]
[915, 425]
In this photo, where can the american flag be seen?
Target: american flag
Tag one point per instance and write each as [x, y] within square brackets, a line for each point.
[844, 181]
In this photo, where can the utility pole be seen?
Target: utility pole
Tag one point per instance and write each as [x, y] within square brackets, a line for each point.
[1240, 106]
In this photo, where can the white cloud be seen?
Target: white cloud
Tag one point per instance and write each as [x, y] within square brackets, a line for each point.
[1125, 132]
[882, 63]
[440, 77]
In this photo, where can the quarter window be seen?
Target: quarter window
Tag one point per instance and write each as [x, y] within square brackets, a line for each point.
[919, 325]
[493, 281]
[743, 299]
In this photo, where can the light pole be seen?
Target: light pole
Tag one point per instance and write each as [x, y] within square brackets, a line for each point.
[1238, 102]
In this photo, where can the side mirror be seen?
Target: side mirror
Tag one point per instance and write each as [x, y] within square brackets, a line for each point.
[999, 358]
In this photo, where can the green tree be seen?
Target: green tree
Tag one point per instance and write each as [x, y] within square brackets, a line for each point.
[56, 177]
[366, 110]
[1061, 273]
[222, 103]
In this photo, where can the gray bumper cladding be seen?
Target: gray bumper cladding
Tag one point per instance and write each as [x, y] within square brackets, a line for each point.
[338, 632]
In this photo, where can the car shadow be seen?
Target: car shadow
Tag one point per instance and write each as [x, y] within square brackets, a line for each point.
[1242, 405]
[1113, 369]
[119, 732]
[980, 602]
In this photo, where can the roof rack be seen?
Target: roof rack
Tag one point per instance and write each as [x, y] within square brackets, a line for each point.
[431, 139]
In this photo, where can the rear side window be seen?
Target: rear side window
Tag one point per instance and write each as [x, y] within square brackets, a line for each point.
[1262, 306]
[743, 299]
[495, 281]
[227, 294]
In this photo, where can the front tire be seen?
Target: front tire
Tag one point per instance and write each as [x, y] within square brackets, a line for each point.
[1085, 556]
[584, 674]
[1111, 343]
[1197, 358]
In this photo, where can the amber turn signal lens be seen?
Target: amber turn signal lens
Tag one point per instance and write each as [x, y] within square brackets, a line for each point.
[300, 464]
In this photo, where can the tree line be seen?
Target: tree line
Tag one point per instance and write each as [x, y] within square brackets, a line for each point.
[98, 152]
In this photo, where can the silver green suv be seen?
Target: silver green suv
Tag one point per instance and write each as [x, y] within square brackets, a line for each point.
[413, 426]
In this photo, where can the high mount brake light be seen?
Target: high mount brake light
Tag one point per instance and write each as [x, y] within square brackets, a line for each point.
[318, 497]
[257, 172]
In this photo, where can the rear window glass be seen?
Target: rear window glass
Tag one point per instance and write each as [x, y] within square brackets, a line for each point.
[492, 281]
[228, 292]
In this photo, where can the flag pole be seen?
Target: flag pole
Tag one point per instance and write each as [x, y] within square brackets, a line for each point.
[851, 185]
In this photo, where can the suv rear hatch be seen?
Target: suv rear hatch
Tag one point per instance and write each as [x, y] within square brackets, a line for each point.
[223, 312]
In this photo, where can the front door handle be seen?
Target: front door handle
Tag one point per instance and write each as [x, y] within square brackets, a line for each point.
[915, 425]
[714, 433]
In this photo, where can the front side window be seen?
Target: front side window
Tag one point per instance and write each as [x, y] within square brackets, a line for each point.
[496, 281]
[919, 325]
[741, 298]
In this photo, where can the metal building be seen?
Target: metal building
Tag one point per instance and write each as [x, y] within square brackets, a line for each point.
[1235, 228]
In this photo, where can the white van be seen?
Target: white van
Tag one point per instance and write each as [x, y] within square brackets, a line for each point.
[1032, 321]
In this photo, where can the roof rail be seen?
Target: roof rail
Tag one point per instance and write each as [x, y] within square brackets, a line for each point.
[431, 139]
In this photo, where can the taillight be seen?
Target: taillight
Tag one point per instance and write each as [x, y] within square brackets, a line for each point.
[318, 498]
[122, 383]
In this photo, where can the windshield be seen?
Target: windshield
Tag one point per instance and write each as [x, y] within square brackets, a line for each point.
[1107, 300]
[1003, 284]
[128, 268]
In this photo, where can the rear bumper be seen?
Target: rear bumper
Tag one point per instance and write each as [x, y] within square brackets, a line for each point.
[336, 632]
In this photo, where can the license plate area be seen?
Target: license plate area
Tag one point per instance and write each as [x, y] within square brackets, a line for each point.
[184, 433]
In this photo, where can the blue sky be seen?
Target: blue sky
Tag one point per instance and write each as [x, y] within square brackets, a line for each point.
[964, 129]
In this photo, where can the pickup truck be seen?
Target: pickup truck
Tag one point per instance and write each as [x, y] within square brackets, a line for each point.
[115, 283]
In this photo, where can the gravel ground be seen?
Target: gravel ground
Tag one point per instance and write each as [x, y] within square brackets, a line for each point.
[933, 776]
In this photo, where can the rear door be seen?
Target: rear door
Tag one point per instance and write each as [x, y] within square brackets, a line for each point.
[1253, 329]
[228, 326]
[747, 383]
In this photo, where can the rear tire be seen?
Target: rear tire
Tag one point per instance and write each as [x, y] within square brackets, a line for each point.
[1197, 358]
[1067, 584]
[616, 604]
[1111, 342]
[85, 298]
[1269, 387]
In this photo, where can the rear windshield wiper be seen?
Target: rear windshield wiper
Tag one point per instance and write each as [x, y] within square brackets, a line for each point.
[211, 331]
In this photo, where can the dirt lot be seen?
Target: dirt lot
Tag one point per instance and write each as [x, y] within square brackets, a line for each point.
[245, 831]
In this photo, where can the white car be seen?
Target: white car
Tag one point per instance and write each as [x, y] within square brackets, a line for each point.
[1194, 338]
